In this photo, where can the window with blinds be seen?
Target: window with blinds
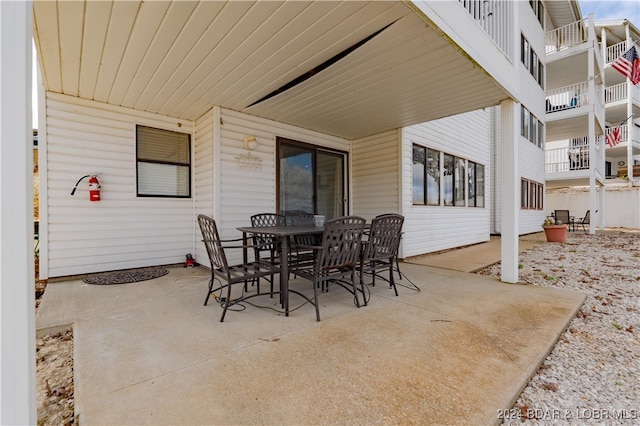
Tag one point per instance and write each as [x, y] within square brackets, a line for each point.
[163, 161]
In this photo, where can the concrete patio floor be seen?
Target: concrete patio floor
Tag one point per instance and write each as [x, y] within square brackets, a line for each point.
[454, 353]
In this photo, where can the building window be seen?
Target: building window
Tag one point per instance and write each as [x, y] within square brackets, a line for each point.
[540, 204]
[459, 181]
[531, 128]
[475, 186]
[540, 142]
[163, 160]
[447, 180]
[524, 194]
[538, 9]
[531, 61]
[531, 195]
[433, 177]
[419, 158]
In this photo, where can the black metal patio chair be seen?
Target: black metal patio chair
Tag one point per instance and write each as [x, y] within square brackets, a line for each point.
[586, 220]
[226, 274]
[298, 254]
[266, 248]
[380, 250]
[336, 258]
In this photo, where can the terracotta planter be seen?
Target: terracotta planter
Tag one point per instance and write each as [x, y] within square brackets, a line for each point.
[555, 233]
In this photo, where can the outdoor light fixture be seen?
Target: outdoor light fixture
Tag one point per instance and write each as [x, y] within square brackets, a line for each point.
[250, 143]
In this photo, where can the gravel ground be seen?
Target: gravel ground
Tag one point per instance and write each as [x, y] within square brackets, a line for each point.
[592, 376]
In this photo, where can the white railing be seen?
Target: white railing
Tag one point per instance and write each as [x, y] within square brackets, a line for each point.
[565, 37]
[615, 51]
[624, 132]
[567, 97]
[493, 16]
[574, 157]
[614, 93]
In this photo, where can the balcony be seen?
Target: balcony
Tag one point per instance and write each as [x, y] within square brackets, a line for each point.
[575, 163]
[568, 109]
[565, 37]
[615, 51]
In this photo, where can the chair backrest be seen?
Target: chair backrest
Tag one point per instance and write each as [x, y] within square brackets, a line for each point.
[587, 218]
[341, 243]
[562, 216]
[384, 237]
[266, 219]
[211, 240]
[304, 219]
[301, 219]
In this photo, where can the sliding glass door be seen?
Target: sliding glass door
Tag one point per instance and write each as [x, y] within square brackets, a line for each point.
[311, 179]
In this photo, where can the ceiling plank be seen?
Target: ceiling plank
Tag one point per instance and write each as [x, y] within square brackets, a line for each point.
[242, 57]
[97, 15]
[45, 24]
[123, 16]
[175, 22]
[150, 16]
[71, 24]
[197, 51]
[225, 50]
[200, 21]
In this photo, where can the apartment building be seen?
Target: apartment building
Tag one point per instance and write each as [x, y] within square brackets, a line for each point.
[610, 186]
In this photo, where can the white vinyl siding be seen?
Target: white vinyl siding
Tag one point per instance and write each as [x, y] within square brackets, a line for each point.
[375, 176]
[121, 230]
[531, 167]
[433, 228]
[203, 166]
[248, 188]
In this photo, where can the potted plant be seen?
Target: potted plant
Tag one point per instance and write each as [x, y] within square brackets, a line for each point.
[555, 231]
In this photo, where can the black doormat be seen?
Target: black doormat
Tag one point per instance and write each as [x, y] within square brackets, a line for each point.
[128, 276]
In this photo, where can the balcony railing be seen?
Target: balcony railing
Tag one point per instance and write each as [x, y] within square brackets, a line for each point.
[567, 97]
[615, 51]
[576, 157]
[615, 93]
[624, 132]
[565, 37]
[494, 18]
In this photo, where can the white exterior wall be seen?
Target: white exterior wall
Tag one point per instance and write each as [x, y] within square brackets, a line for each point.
[375, 165]
[624, 205]
[231, 192]
[121, 230]
[433, 228]
[203, 177]
[531, 160]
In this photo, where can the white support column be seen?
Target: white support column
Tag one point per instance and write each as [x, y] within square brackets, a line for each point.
[591, 138]
[510, 190]
[602, 208]
[17, 292]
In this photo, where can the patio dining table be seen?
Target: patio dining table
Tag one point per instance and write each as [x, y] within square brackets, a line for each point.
[282, 233]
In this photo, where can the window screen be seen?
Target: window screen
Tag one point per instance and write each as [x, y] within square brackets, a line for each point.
[163, 163]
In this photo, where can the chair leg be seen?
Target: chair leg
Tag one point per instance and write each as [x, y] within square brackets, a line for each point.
[355, 289]
[392, 282]
[226, 303]
[315, 300]
[209, 292]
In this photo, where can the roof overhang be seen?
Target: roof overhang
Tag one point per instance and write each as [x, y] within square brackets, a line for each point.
[181, 58]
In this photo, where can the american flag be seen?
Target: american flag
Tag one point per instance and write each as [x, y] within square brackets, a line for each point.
[613, 137]
[629, 65]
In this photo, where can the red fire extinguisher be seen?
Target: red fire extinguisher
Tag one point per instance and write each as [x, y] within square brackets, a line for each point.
[94, 187]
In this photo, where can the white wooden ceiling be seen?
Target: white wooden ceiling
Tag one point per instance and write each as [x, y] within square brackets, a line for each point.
[180, 58]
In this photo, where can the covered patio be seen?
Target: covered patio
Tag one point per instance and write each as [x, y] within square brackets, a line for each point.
[456, 352]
